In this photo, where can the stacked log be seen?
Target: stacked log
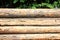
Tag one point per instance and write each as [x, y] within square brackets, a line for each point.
[30, 13]
[29, 21]
[30, 37]
[29, 29]
[29, 24]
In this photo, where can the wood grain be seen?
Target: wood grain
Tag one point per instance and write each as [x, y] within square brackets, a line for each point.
[30, 37]
[29, 29]
[30, 13]
[30, 21]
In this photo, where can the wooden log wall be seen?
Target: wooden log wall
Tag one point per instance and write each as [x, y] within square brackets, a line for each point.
[29, 24]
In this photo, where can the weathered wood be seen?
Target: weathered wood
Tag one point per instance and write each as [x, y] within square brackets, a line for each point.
[30, 21]
[29, 29]
[30, 13]
[30, 36]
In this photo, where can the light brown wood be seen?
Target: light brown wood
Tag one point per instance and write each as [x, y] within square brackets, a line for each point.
[29, 21]
[30, 13]
[30, 36]
[29, 29]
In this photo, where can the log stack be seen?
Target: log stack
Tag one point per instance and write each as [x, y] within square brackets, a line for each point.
[29, 24]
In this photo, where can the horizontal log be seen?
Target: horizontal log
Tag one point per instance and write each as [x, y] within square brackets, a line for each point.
[29, 21]
[30, 13]
[29, 29]
[30, 37]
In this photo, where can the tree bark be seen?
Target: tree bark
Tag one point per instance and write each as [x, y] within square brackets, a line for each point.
[52, 13]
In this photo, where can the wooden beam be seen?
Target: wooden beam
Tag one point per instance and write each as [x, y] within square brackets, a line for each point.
[29, 29]
[30, 13]
[30, 36]
[30, 21]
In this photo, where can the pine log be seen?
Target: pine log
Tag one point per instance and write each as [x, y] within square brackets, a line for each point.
[29, 29]
[30, 37]
[30, 13]
[30, 21]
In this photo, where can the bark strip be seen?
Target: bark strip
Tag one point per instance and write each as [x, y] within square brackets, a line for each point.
[30, 37]
[30, 13]
[30, 21]
[29, 29]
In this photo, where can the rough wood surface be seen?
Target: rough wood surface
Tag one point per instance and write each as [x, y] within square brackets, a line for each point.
[29, 29]
[29, 21]
[30, 37]
[30, 13]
